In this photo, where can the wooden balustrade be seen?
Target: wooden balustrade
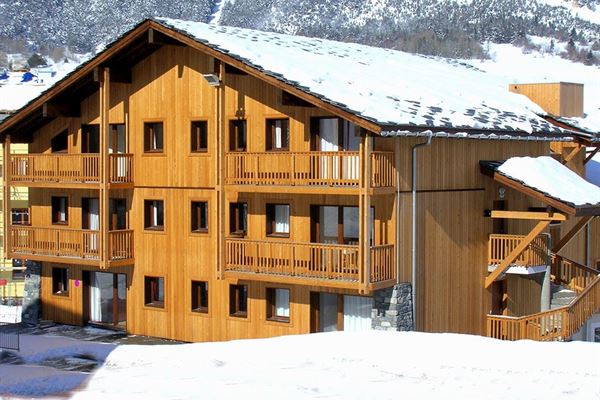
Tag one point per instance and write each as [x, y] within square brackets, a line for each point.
[73, 243]
[500, 246]
[120, 168]
[327, 168]
[120, 244]
[68, 168]
[306, 260]
[571, 274]
[55, 168]
[383, 266]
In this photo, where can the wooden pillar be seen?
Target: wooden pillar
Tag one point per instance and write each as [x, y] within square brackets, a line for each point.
[6, 194]
[365, 212]
[220, 172]
[104, 77]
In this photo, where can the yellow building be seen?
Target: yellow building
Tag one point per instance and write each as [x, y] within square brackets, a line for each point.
[12, 280]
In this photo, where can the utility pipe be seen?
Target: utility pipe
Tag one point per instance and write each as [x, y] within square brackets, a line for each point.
[414, 225]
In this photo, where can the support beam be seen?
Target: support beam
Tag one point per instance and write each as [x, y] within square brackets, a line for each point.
[591, 155]
[539, 228]
[104, 192]
[573, 154]
[571, 234]
[220, 168]
[539, 216]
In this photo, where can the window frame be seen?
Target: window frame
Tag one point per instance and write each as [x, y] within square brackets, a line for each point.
[234, 135]
[200, 297]
[60, 281]
[235, 298]
[149, 291]
[196, 216]
[271, 221]
[238, 210]
[24, 212]
[196, 136]
[149, 224]
[271, 301]
[270, 129]
[149, 134]
[55, 212]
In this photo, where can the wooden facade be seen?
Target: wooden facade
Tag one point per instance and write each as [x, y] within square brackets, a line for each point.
[165, 88]
[563, 99]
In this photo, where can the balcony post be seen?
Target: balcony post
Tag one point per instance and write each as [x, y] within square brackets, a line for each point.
[104, 78]
[365, 210]
[220, 169]
[6, 193]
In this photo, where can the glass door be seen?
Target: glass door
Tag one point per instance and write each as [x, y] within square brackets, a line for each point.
[107, 299]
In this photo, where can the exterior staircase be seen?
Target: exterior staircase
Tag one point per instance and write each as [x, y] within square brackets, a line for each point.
[561, 296]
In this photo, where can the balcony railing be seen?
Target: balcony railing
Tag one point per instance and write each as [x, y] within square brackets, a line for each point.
[307, 260]
[71, 243]
[500, 246]
[69, 168]
[326, 168]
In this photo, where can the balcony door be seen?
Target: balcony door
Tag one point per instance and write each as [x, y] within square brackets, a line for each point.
[330, 312]
[337, 224]
[117, 144]
[336, 135]
[90, 138]
[90, 220]
[105, 299]
[117, 214]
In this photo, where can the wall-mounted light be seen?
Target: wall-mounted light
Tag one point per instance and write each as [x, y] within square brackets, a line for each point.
[212, 79]
[501, 193]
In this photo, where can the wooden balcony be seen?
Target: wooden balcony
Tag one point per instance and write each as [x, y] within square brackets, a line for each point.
[307, 263]
[68, 170]
[500, 246]
[72, 246]
[339, 170]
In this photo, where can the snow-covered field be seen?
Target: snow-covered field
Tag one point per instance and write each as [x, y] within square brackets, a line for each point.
[339, 365]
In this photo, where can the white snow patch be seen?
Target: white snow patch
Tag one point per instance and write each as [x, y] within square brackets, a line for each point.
[10, 314]
[547, 175]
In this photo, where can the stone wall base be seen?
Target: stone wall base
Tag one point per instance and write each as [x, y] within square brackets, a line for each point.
[32, 306]
[392, 308]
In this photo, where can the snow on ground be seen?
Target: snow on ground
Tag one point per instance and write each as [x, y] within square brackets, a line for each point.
[10, 314]
[549, 176]
[343, 365]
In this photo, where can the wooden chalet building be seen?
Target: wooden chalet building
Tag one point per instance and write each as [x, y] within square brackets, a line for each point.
[202, 183]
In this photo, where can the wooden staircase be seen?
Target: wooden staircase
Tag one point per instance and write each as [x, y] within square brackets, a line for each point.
[561, 323]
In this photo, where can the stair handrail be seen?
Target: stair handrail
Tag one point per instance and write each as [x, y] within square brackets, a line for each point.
[588, 273]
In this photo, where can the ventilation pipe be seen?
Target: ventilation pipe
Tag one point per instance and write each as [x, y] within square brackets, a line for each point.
[414, 225]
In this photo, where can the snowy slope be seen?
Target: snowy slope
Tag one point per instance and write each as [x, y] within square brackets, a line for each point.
[343, 365]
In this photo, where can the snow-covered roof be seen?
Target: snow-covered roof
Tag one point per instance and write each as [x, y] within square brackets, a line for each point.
[548, 176]
[392, 88]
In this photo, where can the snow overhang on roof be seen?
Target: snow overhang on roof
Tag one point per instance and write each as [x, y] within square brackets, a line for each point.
[547, 180]
[385, 91]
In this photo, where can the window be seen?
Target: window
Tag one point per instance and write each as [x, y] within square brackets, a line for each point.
[199, 137]
[237, 135]
[278, 134]
[153, 137]
[20, 216]
[59, 143]
[199, 216]
[90, 138]
[278, 219]
[238, 301]
[199, 296]
[60, 210]
[278, 305]
[238, 218]
[154, 215]
[60, 281]
[18, 270]
[154, 291]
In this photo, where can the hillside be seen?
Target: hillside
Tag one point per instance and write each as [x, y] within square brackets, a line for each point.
[424, 26]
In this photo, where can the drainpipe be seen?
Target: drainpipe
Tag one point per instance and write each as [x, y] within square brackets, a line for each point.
[398, 227]
[546, 292]
[414, 226]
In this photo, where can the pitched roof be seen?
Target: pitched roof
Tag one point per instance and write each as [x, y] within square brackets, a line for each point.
[400, 93]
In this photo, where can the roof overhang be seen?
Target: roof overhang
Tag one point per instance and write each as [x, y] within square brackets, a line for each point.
[490, 168]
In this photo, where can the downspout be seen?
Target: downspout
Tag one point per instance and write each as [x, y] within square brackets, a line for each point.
[414, 226]
[396, 158]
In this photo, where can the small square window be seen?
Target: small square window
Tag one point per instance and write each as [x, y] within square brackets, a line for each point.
[60, 281]
[278, 304]
[237, 135]
[278, 134]
[60, 210]
[199, 137]
[20, 216]
[278, 219]
[153, 137]
[199, 296]
[238, 219]
[154, 291]
[199, 216]
[154, 215]
[238, 301]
